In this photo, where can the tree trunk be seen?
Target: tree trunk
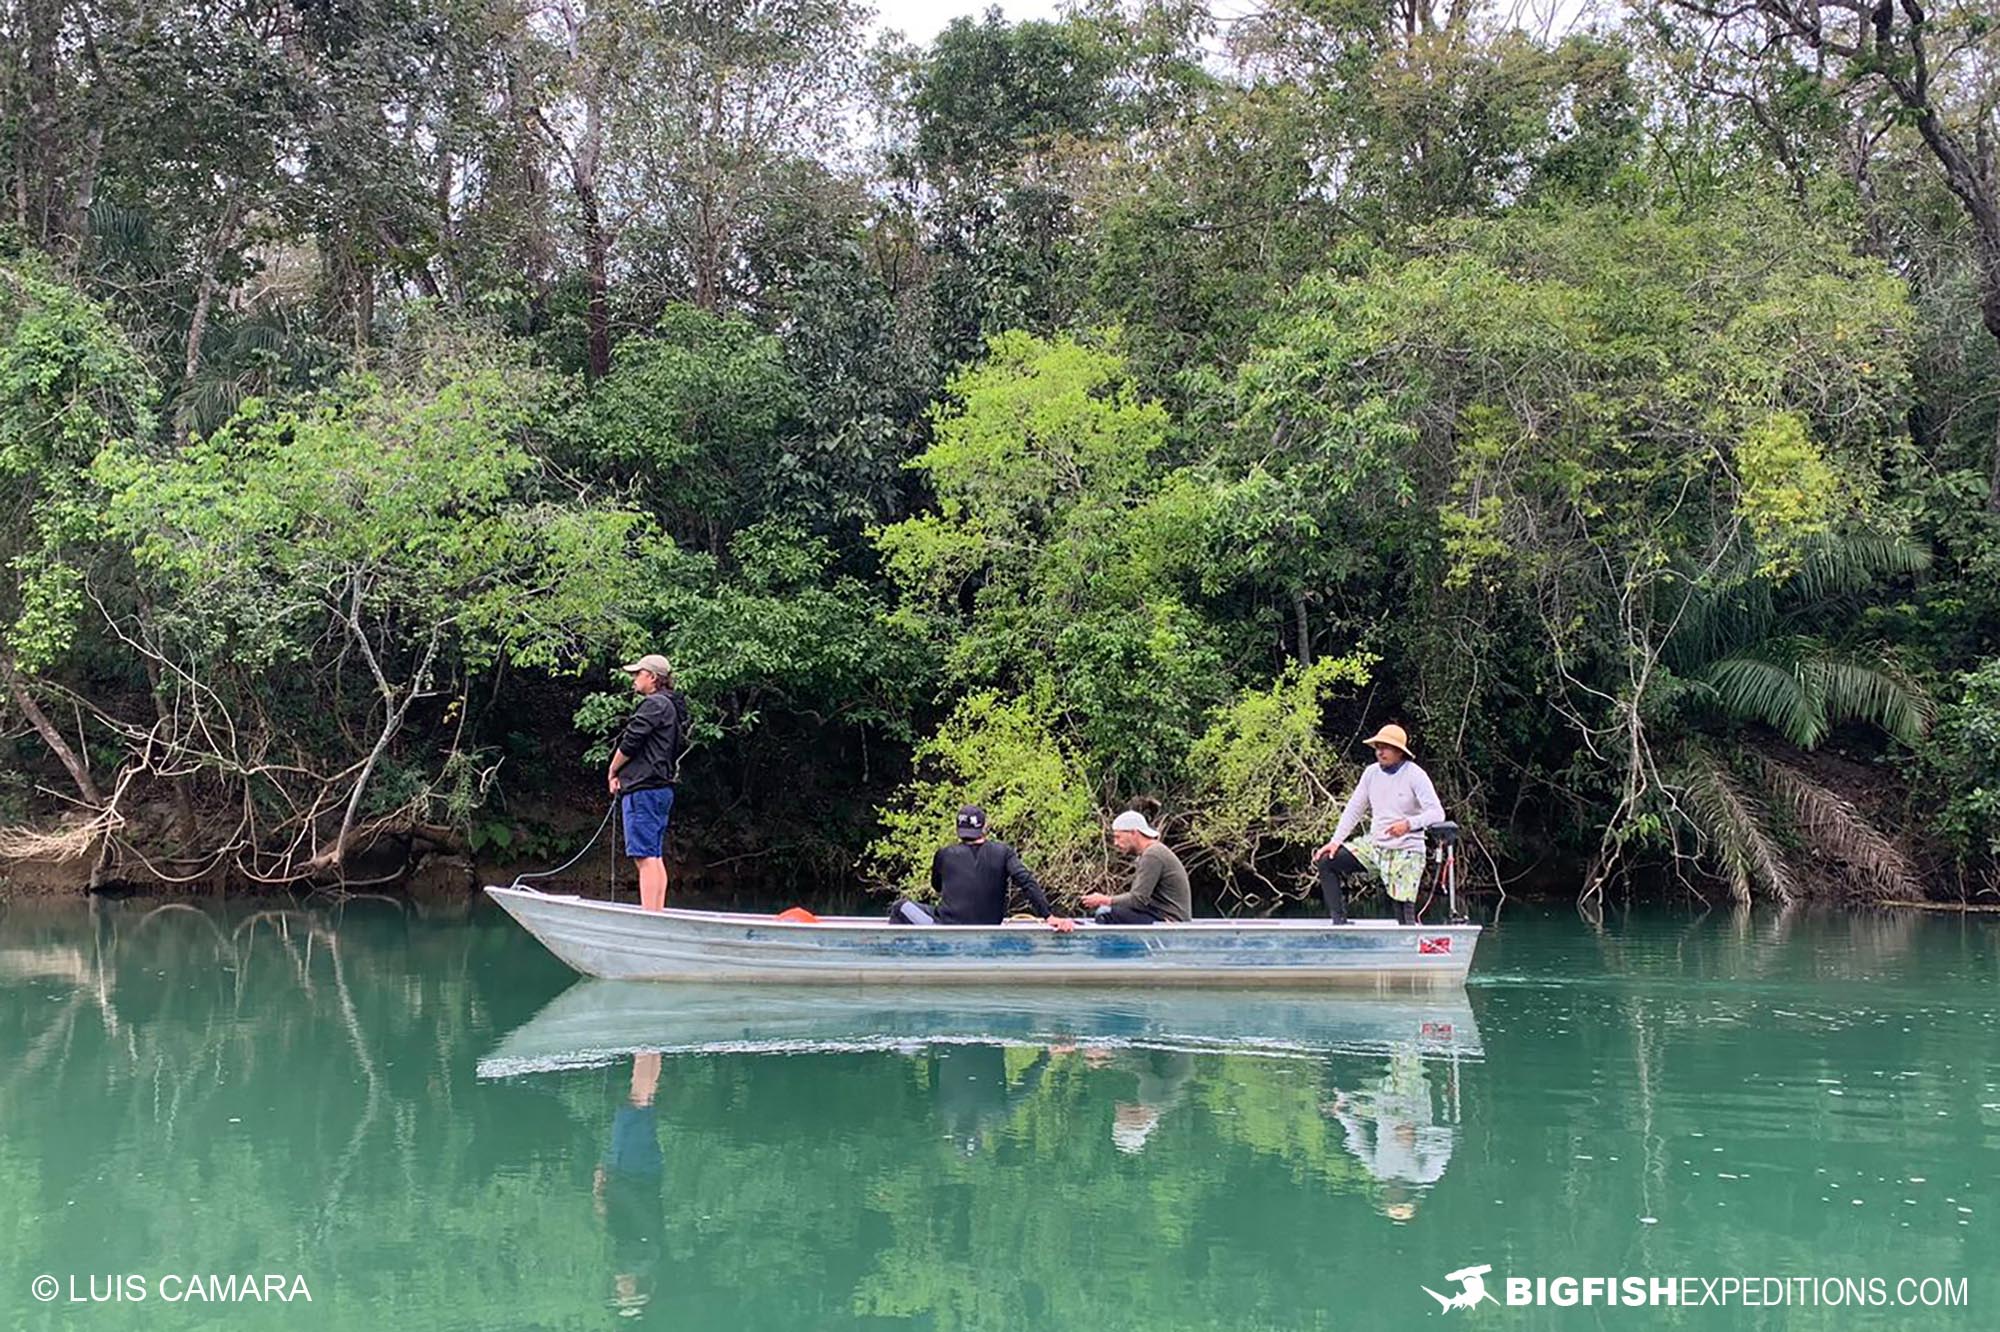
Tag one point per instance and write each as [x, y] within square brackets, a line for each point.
[77, 230]
[447, 235]
[1304, 624]
[1993, 482]
[1986, 223]
[584, 163]
[79, 772]
[1977, 185]
[710, 209]
[597, 307]
[394, 711]
[40, 164]
[596, 247]
[708, 268]
[83, 193]
[204, 301]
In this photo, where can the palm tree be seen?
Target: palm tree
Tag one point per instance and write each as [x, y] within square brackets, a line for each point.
[1756, 658]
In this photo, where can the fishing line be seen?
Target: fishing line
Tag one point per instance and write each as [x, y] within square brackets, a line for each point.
[544, 874]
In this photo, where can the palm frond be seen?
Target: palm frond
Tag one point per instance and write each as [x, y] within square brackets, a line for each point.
[1846, 563]
[121, 232]
[209, 401]
[1735, 829]
[1847, 690]
[1766, 686]
[1832, 827]
[1723, 611]
[1802, 688]
[253, 336]
[1737, 605]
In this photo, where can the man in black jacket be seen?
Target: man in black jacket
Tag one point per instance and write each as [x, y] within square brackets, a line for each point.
[971, 880]
[645, 767]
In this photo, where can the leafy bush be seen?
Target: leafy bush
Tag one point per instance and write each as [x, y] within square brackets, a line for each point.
[1262, 773]
[1006, 755]
[1962, 769]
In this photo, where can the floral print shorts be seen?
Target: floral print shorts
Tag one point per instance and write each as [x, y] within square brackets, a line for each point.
[1400, 871]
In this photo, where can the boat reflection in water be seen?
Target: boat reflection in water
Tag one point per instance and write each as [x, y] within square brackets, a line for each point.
[598, 1022]
[1382, 1069]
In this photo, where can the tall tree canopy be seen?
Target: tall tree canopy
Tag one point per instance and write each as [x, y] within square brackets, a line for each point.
[1144, 400]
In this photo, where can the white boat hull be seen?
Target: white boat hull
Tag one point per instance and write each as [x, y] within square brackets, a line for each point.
[618, 941]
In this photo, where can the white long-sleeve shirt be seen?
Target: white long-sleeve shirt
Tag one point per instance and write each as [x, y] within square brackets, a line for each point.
[1391, 1129]
[1404, 793]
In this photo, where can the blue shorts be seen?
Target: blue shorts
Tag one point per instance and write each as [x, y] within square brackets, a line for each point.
[635, 1141]
[645, 815]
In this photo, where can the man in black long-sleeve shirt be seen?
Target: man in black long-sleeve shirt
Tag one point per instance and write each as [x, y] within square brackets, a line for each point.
[971, 880]
[644, 769]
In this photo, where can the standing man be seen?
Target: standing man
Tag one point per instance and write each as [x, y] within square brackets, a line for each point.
[645, 767]
[1401, 803]
[970, 881]
[1159, 890]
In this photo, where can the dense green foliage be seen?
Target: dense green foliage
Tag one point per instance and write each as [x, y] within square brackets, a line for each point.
[1052, 414]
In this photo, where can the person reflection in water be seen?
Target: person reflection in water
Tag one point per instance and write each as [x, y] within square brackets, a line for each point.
[1390, 1127]
[1163, 1082]
[1163, 1077]
[974, 1094]
[627, 1191]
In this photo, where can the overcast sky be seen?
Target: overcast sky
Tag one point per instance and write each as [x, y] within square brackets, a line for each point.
[921, 20]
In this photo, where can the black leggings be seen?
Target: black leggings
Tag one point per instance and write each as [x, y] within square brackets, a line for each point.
[1333, 872]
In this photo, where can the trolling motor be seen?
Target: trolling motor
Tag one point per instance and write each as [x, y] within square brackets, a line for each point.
[1441, 848]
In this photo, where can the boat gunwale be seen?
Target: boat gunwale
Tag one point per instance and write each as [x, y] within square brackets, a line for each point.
[865, 924]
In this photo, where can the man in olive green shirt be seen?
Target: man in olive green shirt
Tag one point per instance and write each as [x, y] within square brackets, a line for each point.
[1159, 890]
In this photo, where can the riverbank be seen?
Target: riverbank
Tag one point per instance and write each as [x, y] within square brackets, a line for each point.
[449, 883]
[438, 882]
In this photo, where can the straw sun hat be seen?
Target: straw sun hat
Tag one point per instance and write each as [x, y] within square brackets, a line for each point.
[1392, 735]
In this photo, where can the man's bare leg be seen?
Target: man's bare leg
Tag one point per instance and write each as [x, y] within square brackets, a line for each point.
[652, 883]
[645, 1076]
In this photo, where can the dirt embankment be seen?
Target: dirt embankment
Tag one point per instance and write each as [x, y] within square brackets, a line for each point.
[413, 865]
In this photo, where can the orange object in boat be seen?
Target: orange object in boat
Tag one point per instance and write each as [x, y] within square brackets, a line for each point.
[800, 915]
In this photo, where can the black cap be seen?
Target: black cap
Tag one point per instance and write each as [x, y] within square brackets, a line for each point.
[971, 823]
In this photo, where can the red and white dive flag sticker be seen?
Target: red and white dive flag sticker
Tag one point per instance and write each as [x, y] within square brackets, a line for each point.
[1439, 944]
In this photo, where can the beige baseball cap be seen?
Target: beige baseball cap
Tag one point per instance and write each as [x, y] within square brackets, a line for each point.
[653, 662]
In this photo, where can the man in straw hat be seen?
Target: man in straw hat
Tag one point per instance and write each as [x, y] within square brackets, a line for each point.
[1400, 802]
[644, 768]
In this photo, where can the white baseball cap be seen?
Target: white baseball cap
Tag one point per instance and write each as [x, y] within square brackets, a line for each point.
[1133, 821]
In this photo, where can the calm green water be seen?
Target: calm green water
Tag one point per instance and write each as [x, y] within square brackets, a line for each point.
[371, 1103]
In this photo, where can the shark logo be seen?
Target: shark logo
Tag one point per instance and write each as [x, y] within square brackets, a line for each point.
[1471, 1289]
